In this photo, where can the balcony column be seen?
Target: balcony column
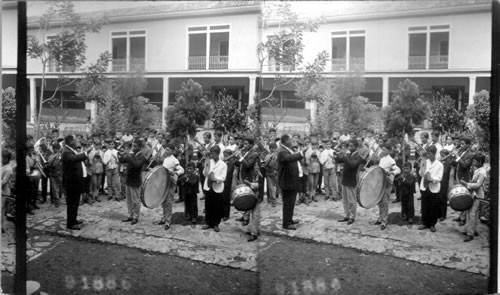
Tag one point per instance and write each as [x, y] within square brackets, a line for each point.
[313, 105]
[251, 90]
[164, 102]
[385, 91]
[472, 89]
[32, 100]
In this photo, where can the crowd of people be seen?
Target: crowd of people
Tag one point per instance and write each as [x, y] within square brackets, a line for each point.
[298, 169]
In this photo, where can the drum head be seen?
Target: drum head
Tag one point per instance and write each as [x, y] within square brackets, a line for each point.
[371, 187]
[460, 198]
[244, 198]
[154, 187]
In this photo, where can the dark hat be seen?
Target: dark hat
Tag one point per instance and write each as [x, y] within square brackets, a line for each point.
[84, 142]
[108, 140]
[325, 140]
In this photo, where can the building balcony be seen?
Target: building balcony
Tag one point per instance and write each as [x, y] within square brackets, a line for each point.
[218, 62]
[355, 63]
[53, 67]
[416, 62]
[135, 64]
[438, 62]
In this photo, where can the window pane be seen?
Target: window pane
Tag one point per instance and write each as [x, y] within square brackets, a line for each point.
[197, 51]
[417, 51]
[137, 53]
[357, 53]
[219, 50]
[339, 53]
[119, 54]
[438, 58]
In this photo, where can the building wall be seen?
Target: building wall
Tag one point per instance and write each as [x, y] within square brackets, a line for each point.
[167, 42]
[9, 38]
[387, 41]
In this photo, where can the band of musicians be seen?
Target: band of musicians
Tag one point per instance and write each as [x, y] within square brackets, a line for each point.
[237, 172]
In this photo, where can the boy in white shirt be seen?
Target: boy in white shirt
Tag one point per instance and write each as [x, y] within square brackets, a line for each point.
[215, 171]
[175, 169]
[430, 185]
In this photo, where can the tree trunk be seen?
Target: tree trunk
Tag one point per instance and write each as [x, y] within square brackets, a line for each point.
[42, 89]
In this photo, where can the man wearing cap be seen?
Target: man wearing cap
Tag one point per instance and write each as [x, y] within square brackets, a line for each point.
[73, 173]
[289, 174]
[463, 164]
[327, 159]
[110, 159]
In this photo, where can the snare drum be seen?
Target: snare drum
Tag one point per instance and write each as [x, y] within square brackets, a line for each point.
[155, 186]
[371, 187]
[244, 198]
[460, 198]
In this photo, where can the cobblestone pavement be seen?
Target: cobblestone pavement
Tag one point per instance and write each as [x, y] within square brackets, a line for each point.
[229, 247]
[445, 247]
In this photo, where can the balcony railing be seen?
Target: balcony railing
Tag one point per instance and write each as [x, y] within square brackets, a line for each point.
[52, 67]
[135, 64]
[216, 62]
[416, 62]
[197, 62]
[355, 63]
[438, 61]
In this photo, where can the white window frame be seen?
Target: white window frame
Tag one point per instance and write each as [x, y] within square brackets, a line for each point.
[347, 33]
[428, 31]
[207, 31]
[127, 36]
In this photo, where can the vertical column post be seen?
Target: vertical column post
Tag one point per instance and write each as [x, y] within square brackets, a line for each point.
[385, 91]
[164, 102]
[472, 89]
[32, 100]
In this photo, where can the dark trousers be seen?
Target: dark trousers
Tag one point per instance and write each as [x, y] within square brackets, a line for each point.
[430, 207]
[320, 179]
[32, 193]
[261, 183]
[289, 198]
[45, 182]
[72, 202]
[103, 179]
[226, 201]
[214, 208]
[191, 205]
[407, 205]
[443, 198]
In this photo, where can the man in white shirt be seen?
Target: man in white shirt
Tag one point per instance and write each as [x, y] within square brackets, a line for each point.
[175, 170]
[110, 159]
[430, 185]
[389, 165]
[329, 171]
[215, 172]
[345, 137]
[218, 142]
[435, 142]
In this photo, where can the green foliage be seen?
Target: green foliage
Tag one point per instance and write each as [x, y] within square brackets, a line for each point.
[9, 116]
[190, 110]
[479, 114]
[110, 117]
[227, 115]
[94, 86]
[445, 116]
[407, 109]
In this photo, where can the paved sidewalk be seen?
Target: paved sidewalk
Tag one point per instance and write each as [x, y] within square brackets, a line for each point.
[445, 247]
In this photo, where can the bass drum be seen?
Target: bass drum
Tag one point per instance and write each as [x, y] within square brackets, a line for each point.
[460, 198]
[371, 187]
[244, 198]
[155, 187]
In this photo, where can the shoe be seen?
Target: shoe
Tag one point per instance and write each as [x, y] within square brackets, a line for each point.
[161, 222]
[395, 201]
[187, 217]
[134, 221]
[469, 238]
[97, 199]
[56, 205]
[167, 226]
[246, 222]
[216, 229]
[79, 222]
[74, 227]
[128, 219]
[456, 219]
[377, 222]
[240, 219]
[225, 219]
[383, 226]
[35, 206]
[314, 199]
[433, 228]
[193, 221]
[422, 227]
[110, 198]
[30, 212]
[43, 201]
[206, 226]
[351, 221]
[476, 234]
[462, 223]
[273, 204]
[326, 198]
[290, 227]
[295, 222]
[410, 220]
[178, 201]
[344, 219]
[252, 238]
[442, 219]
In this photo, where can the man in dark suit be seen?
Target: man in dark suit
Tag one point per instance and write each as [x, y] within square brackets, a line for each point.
[73, 173]
[289, 173]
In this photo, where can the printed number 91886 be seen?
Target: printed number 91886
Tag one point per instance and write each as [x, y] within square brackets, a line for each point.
[97, 283]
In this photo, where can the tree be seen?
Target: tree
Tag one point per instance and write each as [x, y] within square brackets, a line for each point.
[479, 114]
[445, 116]
[65, 51]
[9, 116]
[227, 115]
[284, 49]
[190, 110]
[111, 116]
[407, 109]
